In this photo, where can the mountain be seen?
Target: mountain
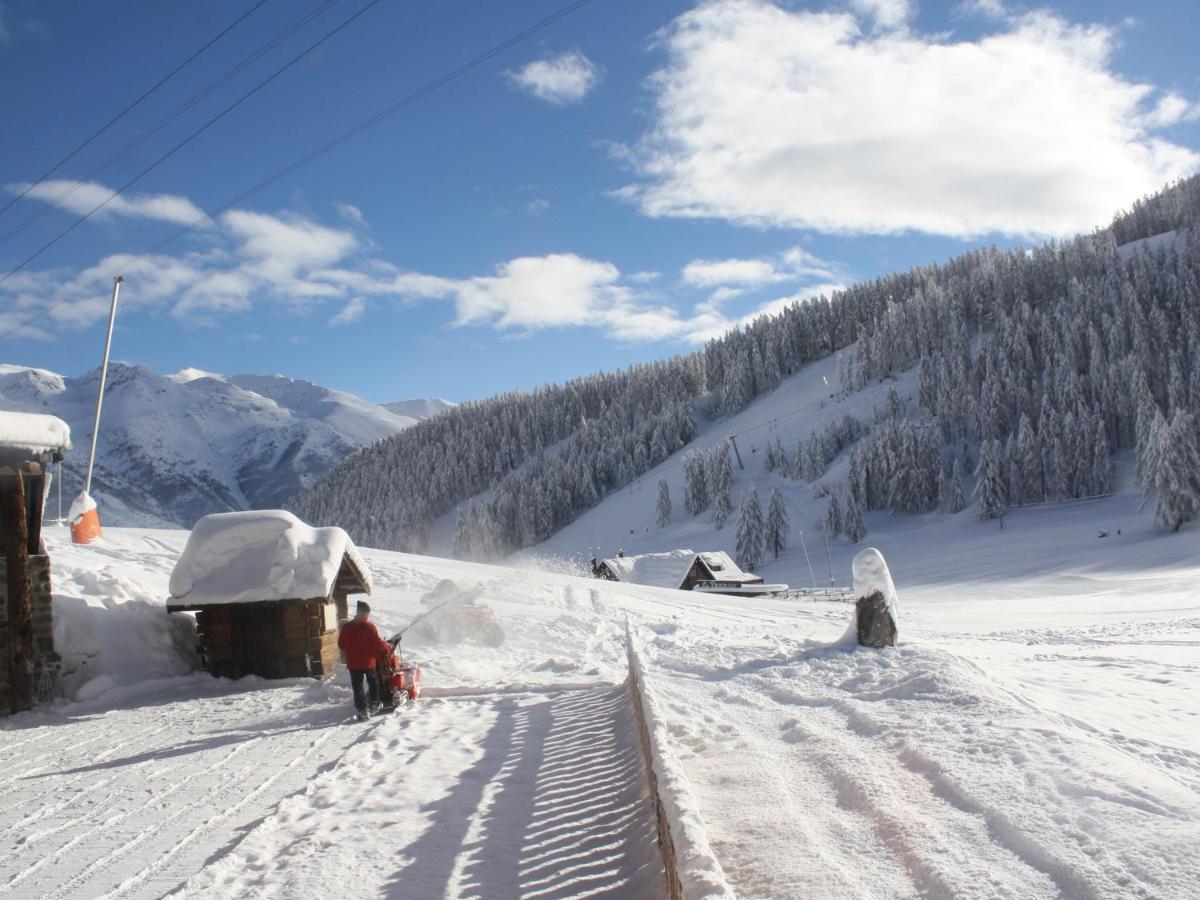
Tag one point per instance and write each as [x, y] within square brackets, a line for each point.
[419, 409]
[175, 447]
[1034, 365]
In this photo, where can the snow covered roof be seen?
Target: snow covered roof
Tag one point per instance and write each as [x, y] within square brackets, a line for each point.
[33, 432]
[723, 567]
[654, 569]
[247, 557]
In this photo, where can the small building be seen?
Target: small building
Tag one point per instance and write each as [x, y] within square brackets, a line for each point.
[685, 570]
[268, 591]
[28, 662]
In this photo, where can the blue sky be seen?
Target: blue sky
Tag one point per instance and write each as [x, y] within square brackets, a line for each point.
[635, 178]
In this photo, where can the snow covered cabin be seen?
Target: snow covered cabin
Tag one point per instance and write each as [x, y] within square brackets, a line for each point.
[269, 593]
[686, 570]
[28, 661]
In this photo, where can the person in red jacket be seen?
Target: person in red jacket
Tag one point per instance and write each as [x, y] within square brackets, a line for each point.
[363, 646]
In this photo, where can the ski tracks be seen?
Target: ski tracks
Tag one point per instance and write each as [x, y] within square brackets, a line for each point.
[87, 818]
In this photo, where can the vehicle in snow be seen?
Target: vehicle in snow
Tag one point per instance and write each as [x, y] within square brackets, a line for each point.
[454, 617]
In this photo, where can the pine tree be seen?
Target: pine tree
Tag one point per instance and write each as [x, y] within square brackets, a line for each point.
[778, 525]
[852, 521]
[750, 532]
[720, 485]
[833, 516]
[989, 488]
[695, 483]
[663, 510]
[1102, 473]
[1177, 474]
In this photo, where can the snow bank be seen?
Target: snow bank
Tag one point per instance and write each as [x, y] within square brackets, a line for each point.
[33, 432]
[696, 868]
[82, 503]
[111, 630]
[871, 574]
[244, 557]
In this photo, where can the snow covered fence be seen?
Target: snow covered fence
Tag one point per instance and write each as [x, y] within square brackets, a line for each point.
[693, 871]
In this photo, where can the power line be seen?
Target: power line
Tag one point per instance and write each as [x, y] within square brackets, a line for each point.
[154, 87]
[166, 120]
[187, 140]
[408, 100]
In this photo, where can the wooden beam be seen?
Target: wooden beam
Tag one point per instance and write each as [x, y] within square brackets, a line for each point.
[20, 590]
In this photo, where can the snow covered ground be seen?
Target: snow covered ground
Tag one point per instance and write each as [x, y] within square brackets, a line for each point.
[1032, 736]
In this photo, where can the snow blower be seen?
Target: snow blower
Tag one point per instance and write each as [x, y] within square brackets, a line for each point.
[397, 677]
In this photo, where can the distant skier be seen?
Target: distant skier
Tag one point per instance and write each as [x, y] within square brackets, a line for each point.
[363, 646]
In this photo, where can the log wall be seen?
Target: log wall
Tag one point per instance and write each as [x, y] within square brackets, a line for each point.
[45, 661]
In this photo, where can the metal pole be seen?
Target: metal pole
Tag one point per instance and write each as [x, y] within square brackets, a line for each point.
[112, 317]
[828, 555]
[60, 518]
[804, 547]
[733, 440]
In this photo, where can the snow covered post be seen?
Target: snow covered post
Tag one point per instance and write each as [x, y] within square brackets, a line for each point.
[877, 610]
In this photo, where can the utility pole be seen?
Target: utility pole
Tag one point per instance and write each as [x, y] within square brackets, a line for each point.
[804, 547]
[736, 452]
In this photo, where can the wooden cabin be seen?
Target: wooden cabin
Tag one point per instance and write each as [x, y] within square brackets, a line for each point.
[269, 593]
[683, 570]
[28, 662]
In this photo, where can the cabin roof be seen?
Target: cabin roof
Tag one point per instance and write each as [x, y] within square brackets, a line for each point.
[249, 557]
[32, 436]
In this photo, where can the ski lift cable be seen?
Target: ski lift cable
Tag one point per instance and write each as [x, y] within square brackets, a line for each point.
[187, 140]
[128, 108]
[166, 120]
[406, 101]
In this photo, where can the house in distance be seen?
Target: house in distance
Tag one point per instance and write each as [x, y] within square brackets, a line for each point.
[712, 572]
[269, 593]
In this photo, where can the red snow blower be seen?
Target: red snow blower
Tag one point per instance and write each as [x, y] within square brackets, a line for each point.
[396, 676]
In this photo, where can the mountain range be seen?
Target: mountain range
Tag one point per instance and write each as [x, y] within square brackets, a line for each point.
[175, 447]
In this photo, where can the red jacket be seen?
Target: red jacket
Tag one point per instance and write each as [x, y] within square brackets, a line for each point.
[362, 645]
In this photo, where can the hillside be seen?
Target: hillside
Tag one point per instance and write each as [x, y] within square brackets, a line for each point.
[175, 447]
[1031, 736]
[1030, 368]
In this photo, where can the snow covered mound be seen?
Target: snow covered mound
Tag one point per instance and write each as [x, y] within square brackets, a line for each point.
[665, 570]
[871, 574]
[260, 555]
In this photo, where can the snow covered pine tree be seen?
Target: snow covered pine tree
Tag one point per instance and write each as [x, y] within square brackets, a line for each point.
[750, 532]
[777, 524]
[663, 510]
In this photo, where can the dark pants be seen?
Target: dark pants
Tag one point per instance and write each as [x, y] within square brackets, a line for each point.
[356, 683]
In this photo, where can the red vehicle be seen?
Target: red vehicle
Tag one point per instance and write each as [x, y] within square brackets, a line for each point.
[397, 677]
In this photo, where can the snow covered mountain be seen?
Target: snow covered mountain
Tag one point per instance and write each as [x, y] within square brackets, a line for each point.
[419, 409]
[175, 447]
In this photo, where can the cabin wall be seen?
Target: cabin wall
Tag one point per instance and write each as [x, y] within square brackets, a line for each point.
[45, 659]
[291, 639]
[697, 573]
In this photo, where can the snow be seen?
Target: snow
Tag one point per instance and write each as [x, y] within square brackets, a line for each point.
[870, 573]
[1033, 736]
[245, 557]
[33, 432]
[666, 570]
[724, 568]
[83, 503]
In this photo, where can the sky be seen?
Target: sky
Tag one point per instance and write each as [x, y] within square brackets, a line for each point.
[620, 186]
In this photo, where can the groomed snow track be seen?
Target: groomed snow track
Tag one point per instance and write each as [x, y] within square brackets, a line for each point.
[257, 790]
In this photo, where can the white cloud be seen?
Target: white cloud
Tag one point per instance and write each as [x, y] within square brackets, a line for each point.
[647, 277]
[351, 312]
[566, 78]
[711, 272]
[350, 213]
[537, 206]
[797, 119]
[791, 265]
[885, 14]
[81, 197]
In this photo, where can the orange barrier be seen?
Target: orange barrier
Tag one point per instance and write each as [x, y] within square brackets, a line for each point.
[86, 528]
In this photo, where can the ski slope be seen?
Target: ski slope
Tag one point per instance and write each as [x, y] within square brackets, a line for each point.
[1032, 736]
